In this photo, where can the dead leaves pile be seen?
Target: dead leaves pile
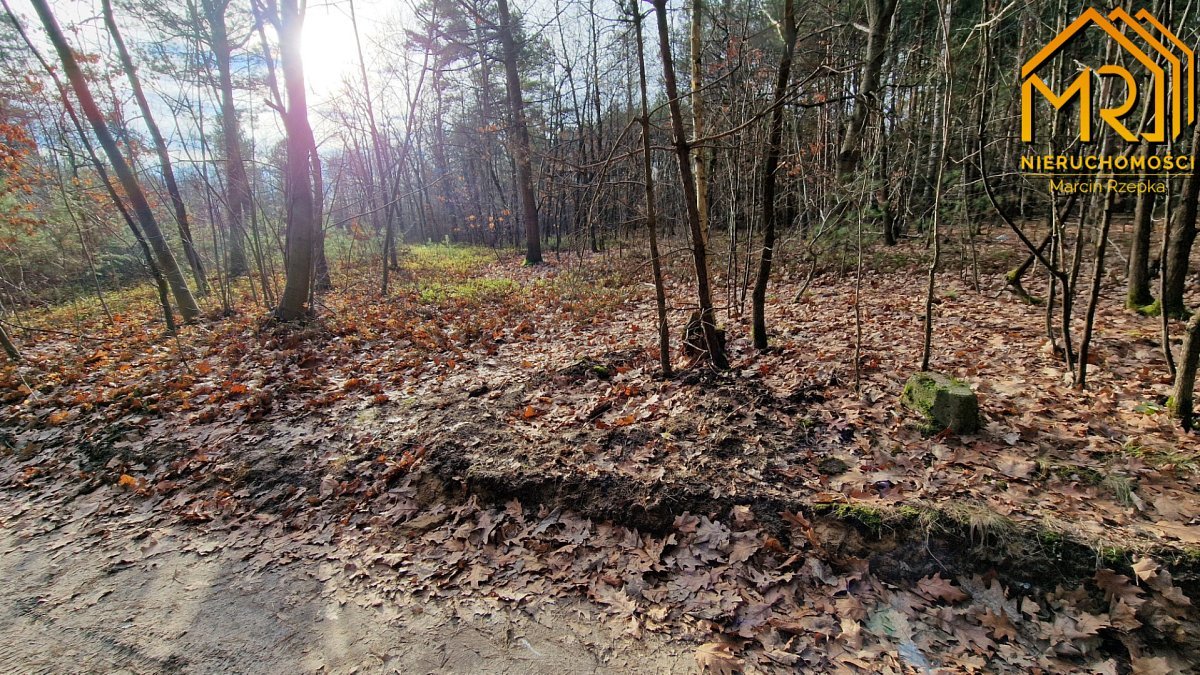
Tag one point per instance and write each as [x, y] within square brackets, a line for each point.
[752, 604]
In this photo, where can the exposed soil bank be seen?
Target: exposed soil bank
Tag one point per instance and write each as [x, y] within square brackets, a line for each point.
[902, 542]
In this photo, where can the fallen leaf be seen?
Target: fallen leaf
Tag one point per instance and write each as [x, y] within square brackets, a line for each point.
[937, 588]
[718, 658]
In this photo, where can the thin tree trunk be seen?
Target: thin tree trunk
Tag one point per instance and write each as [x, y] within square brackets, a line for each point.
[1181, 401]
[9, 348]
[699, 166]
[1138, 279]
[787, 28]
[141, 208]
[237, 187]
[939, 170]
[716, 350]
[160, 147]
[521, 148]
[1182, 236]
[660, 293]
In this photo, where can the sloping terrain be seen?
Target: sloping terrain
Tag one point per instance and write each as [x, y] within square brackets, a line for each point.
[496, 438]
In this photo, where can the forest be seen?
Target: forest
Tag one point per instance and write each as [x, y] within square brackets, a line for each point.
[625, 336]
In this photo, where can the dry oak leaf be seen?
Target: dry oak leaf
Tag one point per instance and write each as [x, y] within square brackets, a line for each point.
[1145, 569]
[718, 658]
[1124, 617]
[937, 588]
[1118, 587]
[1001, 626]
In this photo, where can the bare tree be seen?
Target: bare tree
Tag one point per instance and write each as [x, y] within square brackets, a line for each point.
[160, 147]
[522, 154]
[787, 30]
[238, 200]
[660, 294]
[301, 213]
[712, 339]
[141, 208]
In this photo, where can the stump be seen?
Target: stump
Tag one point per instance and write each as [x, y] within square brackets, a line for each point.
[944, 402]
[694, 344]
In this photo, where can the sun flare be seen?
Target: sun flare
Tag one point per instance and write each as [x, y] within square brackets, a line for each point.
[329, 50]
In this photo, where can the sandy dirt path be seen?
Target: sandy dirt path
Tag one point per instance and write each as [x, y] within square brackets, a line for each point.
[88, 588]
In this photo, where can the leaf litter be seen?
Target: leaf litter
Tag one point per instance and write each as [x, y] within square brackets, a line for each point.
[348, 440]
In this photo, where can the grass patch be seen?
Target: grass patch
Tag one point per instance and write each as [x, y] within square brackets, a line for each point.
[1177, 460]
[981, 521]
[587, 296]
[444, 259]
[470, 291]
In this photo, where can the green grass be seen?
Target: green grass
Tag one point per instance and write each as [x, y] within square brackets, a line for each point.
[472, 291]
[444, 259]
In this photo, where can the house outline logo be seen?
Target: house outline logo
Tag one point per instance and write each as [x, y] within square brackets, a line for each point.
[1166, 85]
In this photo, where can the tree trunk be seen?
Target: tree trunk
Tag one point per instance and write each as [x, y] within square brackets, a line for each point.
[237, 186]
[716, 349]
[301, 215]
[700, 167]
[9, 347]
[160, 147]
[1138, 278]
[787, 29]
[137, 198]
[521, 149]
[879, 22]
[660, 293]
[947, 71]
[1183, 234]
[1180, 403]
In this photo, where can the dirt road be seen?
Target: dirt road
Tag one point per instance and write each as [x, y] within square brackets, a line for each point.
[93, 587]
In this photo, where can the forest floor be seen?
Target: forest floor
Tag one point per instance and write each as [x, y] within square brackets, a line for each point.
[483, 472]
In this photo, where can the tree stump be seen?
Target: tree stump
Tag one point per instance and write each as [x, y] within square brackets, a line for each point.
[694, 344]
[943, 402]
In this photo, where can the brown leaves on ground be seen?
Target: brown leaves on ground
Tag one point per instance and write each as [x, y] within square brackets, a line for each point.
[717, 658]
[320, 427]
[937, 588]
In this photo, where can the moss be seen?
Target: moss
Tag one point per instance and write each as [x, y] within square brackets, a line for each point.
[1190, 555]
[866, 516]
[1113, 556]
[943, 402]
[1050, 537]
[1152, 309]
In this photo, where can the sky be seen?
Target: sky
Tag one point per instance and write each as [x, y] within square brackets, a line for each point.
[328, 44]
[328, 48]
